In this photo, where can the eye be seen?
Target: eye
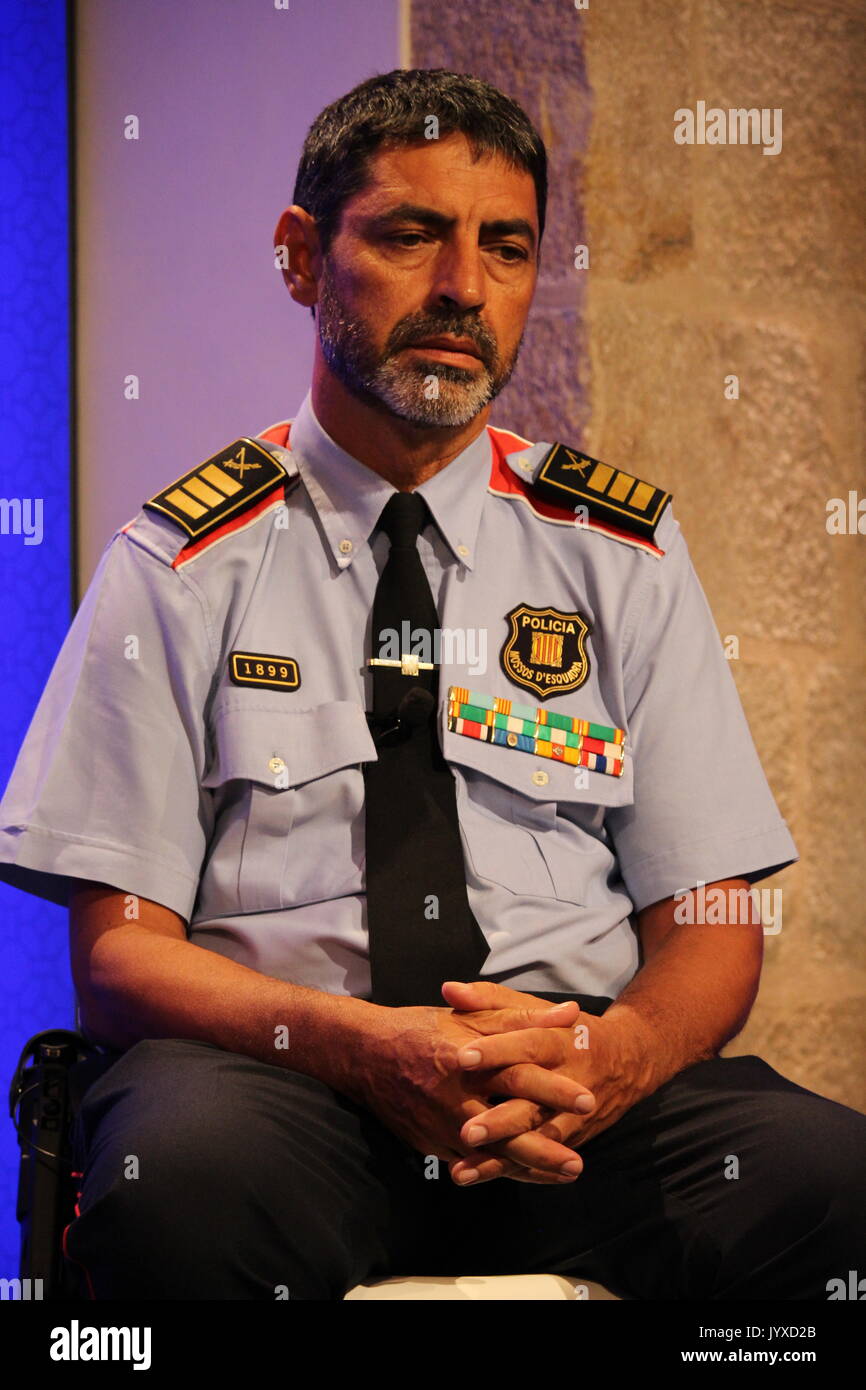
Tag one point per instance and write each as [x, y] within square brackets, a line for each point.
[404, 237]
[508, 246]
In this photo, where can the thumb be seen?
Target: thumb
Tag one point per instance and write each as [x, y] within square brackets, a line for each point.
[486, 994]
[482, 994]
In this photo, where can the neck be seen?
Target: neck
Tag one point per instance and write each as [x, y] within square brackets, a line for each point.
[406, 455]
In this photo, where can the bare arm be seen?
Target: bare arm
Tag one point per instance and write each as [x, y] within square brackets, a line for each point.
[144, 979]
[698, 981]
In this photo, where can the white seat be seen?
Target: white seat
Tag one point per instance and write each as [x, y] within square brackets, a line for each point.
[523, 1288]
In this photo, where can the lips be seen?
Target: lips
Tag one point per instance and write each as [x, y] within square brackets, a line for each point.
[464, 345]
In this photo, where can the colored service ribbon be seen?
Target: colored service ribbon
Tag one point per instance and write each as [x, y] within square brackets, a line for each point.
[532, 729]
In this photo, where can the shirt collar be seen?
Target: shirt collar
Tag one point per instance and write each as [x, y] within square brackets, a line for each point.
[349, 497]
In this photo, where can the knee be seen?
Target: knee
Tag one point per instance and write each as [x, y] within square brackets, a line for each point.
[178, 1126]
[191, 1183]
[832, 1160]
[802, 1218]
[813, 1179]
[161, 1107]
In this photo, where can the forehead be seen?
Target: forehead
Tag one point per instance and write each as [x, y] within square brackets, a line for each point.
[445, 175]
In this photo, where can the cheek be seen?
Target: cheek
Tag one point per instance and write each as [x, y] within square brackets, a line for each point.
[507, 336]
[398, 284]
[376, 298]
[508, 306]
[512, 323]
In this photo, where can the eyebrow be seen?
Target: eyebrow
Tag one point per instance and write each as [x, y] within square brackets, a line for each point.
[414, 212]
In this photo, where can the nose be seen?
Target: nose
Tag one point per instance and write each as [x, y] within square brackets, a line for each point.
[459, 278]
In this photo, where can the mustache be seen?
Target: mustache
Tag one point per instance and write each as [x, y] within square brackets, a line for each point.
[408, 333]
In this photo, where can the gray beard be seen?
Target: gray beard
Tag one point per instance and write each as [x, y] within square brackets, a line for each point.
[423, 393]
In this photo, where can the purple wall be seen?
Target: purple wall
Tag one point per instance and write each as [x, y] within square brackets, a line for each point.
[176, 281]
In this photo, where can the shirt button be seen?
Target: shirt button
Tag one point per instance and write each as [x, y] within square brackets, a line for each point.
[540, 778]
[345, 547]
[463, 550]
[277, 765]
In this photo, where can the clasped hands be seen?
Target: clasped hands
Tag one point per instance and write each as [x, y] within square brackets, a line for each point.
[432, 1074]
[535, 1063]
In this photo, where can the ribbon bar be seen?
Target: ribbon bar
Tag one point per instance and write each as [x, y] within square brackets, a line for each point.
[544, 733]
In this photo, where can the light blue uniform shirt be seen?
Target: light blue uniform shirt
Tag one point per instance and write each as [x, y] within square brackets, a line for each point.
[242, 808]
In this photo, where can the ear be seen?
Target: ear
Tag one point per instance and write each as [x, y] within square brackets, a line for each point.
[296, 243]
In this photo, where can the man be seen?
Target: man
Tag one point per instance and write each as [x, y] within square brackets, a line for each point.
[386, 768]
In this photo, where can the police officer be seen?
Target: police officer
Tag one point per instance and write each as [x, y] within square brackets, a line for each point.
[406, 809]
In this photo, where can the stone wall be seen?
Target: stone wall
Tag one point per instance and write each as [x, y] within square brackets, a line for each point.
[709, 262]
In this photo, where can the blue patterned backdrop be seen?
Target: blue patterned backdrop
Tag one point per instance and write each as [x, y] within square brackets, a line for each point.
[35, 413]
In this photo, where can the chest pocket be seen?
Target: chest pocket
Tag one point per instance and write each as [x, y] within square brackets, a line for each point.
[291, 825]
[532, 825]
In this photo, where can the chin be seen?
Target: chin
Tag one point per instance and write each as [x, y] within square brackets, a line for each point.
[464, 396]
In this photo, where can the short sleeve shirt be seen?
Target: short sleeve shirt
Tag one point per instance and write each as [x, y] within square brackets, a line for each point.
[241, 806]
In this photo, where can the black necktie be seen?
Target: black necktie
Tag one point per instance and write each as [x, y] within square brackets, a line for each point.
[421, 928]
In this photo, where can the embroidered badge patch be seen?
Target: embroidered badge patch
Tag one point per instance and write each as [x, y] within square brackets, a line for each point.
[269, 672]
[220, 489]
[545, 650]
[569, 477]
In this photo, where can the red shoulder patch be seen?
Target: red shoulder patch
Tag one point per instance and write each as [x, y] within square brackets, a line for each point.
[504, 483]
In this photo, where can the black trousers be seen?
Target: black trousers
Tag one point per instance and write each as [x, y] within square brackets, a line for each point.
[209, 1175]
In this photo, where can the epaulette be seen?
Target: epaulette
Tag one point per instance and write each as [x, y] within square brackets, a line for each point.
[566, 477]
[240, 478]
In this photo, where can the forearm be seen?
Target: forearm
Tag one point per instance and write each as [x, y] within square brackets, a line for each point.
[688, 1000]
[145, 986]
